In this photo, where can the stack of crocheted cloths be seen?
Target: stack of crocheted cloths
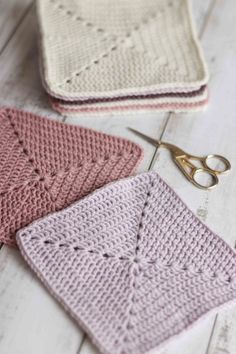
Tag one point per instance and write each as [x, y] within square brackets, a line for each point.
[46, 165]
[115, 55]
[131, 264]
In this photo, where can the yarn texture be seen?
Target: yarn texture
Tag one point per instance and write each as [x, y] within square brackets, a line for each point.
[46, 165]
[178, 103]
[131, 264]
[103, 49]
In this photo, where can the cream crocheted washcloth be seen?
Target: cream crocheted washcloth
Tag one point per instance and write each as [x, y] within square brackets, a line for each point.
[105, 48]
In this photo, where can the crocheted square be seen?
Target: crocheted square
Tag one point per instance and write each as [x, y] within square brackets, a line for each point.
[131, 264]
[174, 102]
[114, 48]
[46, 165]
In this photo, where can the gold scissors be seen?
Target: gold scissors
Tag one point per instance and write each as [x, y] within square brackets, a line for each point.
[183, 161]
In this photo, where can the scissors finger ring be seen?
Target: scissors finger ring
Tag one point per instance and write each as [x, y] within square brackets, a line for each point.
[225, 164]
[212, 179]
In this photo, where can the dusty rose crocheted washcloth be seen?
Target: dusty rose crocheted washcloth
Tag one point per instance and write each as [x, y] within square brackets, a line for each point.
[130, 107]
[131, 263]
[46, 165]
[176, 102]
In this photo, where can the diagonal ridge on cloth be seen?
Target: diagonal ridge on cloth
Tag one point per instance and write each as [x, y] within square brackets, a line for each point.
[131, 263]
[47, 165]
[74, 16]
[115, 43]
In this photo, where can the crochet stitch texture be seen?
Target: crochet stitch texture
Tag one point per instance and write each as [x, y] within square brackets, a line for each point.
[131, 263]
[46, 165]
[177, 103]
[103, 49]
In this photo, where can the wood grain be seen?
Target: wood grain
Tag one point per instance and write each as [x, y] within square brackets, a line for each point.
[30, 320]
[12, 14]
[20, 82]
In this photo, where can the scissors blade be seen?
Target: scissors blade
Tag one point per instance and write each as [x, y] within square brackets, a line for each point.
[145, 137]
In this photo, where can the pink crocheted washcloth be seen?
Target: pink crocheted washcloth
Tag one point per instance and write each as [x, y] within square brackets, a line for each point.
[46, 165]
[131, 264]
[175, 102]
[151, 106]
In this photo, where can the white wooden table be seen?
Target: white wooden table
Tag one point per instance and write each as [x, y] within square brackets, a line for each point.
[31, 321]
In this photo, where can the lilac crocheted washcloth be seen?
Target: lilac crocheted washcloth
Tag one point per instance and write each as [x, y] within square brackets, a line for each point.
[131, 264]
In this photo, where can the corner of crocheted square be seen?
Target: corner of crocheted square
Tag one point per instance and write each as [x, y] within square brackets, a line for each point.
[47, 165]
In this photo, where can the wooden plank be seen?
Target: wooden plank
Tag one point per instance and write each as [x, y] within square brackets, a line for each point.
[11, 14]
[212, 131]
[20, 82]
[31, 321]
[223, 339]
[201, 11]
